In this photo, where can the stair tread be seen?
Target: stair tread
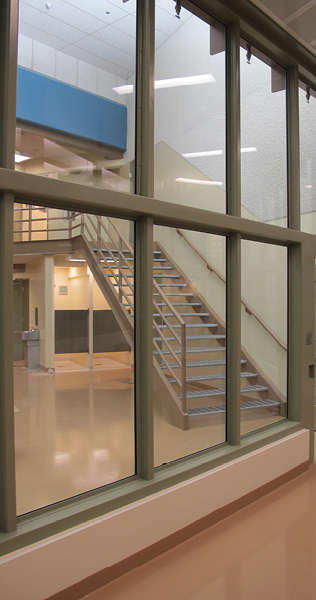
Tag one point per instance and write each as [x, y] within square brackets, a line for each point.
[181, 304]
[191, 326]
[205, 363]
[186, 314]
[162, 276]
[212, 377]
[250, 404]
[175, 294]
[194, 337]
[221, 392]
[194, 350]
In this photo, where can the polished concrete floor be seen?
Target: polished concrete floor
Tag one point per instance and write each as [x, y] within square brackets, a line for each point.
[74, 429]
[267, 551]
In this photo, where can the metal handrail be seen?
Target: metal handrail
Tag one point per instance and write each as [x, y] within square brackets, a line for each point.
[86, 228]
[248, 308]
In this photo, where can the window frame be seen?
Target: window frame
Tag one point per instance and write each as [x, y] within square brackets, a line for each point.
[146, 211]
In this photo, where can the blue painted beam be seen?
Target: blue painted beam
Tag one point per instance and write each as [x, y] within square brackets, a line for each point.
[51, 104]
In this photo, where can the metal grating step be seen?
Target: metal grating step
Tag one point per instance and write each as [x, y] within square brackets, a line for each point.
[191, 326]
[181, 304]
[193, 337]
[222, 408]
[206, 363]
[193, 350]
[219, 392]
[162, 276]
[186, 314]
[212, 377]
[172, 285]
[186, 294]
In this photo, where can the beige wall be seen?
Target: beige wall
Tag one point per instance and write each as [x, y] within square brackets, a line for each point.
[264, 267]
[77, 281]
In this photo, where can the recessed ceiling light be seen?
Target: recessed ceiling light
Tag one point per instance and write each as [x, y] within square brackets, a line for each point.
[48, 5]
[207, 153]
[170, 83]
[198, 181]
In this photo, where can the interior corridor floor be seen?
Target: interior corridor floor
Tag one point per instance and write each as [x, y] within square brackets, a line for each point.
[267, 551]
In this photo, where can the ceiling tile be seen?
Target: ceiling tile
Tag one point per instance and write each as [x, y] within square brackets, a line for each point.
[100, 8]
[107, 52]
[127, 25]
[165, 22]
[41, 36]
[50, 25]
[120, 40]
[170, 7]
[160, 38]
[60, 9]
[129, 6]
[305, 25]
[92, 59]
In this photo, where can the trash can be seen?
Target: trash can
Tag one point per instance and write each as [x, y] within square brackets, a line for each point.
[31, 348]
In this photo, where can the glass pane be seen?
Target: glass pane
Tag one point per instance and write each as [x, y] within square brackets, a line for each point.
[75, 100]
[307, 112]
[263, 334]
[189, 110]
[73, 354]
[263, 140]
[189, 342]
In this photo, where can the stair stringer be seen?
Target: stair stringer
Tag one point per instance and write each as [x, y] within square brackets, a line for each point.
[263, 379]
[162, 388]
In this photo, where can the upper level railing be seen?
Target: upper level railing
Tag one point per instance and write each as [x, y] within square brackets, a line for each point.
[248, 308]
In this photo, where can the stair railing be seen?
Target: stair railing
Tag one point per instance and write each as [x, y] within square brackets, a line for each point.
[97, 242]
[248, 308]
[120, 261]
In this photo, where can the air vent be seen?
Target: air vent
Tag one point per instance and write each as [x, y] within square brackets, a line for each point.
[63, 290]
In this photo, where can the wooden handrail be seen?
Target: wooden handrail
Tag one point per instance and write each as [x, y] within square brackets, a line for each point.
[248, 308]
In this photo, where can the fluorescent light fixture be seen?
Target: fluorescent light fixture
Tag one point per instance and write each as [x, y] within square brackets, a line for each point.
[248, 150]
[308, 187]
[20, 158]
[198, 181]
[213, 153]
[207, 153]
[76, 259]
[170, 83]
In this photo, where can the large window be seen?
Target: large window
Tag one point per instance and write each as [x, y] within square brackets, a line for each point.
[149, 338]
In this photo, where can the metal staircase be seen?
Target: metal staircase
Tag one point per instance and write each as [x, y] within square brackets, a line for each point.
[189, 339]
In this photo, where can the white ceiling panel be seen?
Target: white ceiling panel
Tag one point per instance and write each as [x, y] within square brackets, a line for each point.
[160, 38]
[101, 63]
[170, 7]
[127, 25]
[129, 6]
[116, 38]
[48, 24]
[107, 52]
[67, 14]
[100, 8]
[165, 22]
[41, 36]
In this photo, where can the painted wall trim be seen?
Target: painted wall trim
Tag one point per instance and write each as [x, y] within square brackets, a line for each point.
[106, 541]
[51, 104]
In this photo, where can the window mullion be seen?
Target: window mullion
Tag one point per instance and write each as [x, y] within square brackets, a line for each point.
[233, 335]
[8, 54]
[144, 239]
[293, 148]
